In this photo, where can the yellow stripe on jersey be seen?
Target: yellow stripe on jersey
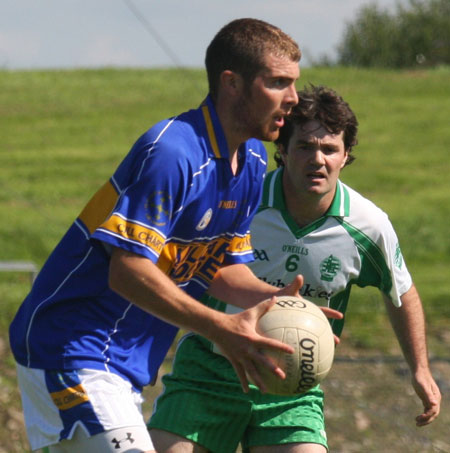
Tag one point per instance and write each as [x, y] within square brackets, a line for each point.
[168, 257]
[211, 133]
[99, 207]
[69, 397]
[134, 232]
[241, 245]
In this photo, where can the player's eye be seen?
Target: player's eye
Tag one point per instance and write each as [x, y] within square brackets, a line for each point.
[305, 146]
[279, 82]
[330, 149]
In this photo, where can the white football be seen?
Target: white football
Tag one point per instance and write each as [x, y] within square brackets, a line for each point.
[302, 325]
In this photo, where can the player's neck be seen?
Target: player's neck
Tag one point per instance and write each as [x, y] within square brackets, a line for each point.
[308, 208]
[234, 135]
[234, 161]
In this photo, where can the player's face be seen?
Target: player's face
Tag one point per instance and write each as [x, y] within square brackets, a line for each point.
[314, 160]
[269, 99]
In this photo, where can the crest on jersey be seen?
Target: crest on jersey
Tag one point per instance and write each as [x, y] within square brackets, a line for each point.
[329, 268]
[398, 259]
[204, 220]
[158, 208]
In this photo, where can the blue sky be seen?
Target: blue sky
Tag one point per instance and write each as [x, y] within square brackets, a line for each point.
[95, 33]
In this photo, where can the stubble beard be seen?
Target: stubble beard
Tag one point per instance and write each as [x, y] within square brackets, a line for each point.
[249, 126]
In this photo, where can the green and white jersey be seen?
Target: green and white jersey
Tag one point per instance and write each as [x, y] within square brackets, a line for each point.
[354, 243]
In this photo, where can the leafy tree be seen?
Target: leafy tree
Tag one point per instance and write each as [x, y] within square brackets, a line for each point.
[417, 34]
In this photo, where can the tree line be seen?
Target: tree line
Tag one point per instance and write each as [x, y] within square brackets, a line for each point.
[417, 33]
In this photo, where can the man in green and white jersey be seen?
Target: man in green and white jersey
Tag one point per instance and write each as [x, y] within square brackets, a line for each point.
[311, 223]
[353, 243]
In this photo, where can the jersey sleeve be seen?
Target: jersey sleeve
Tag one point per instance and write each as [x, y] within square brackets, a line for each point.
[151, 183]
[401, 278]
[383, 265]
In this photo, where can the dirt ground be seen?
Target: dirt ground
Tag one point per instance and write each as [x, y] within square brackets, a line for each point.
[370, 406]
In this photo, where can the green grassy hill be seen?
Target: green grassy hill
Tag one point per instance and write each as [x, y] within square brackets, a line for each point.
[63, 133]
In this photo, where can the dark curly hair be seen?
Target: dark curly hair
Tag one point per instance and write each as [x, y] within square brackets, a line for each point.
[326, 106]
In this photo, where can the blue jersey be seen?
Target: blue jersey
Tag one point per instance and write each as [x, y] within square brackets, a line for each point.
[173, 200]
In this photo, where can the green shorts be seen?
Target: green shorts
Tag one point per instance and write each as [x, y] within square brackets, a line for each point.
[203, 401]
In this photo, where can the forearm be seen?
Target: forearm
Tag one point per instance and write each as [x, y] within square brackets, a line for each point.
[408, 322]
[237, 285]
[141, 282]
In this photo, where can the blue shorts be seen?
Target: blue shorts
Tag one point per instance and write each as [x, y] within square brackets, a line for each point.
[56, 403]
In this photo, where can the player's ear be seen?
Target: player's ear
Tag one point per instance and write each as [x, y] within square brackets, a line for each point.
[282, 152]
[231, 82]
[344, 161]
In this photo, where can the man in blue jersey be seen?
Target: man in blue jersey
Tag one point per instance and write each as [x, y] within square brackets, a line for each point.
[172, 222]
[309, 222]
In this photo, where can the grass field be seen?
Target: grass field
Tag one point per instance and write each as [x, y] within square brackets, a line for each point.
[64, 132]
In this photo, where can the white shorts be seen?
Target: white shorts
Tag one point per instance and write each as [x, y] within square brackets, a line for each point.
[56, 403]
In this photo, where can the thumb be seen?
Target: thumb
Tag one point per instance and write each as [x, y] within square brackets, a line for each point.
[293, 289]
[264, 306]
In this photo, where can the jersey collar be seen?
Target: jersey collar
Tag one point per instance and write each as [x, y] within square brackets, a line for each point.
[340, 207]
[217, 141]
[273, 196]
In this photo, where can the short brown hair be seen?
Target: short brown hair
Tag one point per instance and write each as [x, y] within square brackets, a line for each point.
[241, 47]
[326, 106]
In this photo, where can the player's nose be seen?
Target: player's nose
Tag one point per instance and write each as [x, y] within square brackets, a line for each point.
[291, 95]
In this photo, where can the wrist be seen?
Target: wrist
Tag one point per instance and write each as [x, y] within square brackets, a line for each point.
[212, 325]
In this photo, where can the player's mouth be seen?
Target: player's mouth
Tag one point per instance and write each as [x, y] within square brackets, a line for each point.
[316, 176]
[279, 121]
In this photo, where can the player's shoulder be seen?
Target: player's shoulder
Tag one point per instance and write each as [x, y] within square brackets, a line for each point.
[172, 138]
[253, 144]
[181, 129]
[256, 157]
[363, 212]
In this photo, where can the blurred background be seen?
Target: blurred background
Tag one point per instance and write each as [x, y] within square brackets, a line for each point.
[142, 33]
[80, 81]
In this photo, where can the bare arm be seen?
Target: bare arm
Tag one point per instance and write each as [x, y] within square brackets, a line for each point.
[238, 285]
[141, 282]
[408, 323]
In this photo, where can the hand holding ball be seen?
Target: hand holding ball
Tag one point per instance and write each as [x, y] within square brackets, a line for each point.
[302, 325]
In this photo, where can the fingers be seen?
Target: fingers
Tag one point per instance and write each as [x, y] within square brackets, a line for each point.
[265, 306]
[275, 369]
[248, 369]
[270, 343]
[428, 416]
[255, 376]
[430, 395]
[245, 351]
[241, 375]
[259, 361]
[330, 313]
